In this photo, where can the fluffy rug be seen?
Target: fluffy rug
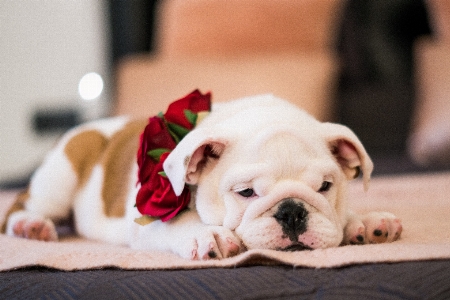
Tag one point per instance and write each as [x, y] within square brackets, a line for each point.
[421, 201]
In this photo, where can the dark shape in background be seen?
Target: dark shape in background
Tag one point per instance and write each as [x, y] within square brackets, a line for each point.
[376, 94]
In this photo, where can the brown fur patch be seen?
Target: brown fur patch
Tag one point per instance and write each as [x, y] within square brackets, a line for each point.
[116, 155]
[84, 151]
[117, 163]
[18, 205]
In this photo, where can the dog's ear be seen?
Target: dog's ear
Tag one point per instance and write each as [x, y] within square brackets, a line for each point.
[185, 163]
[348, 151]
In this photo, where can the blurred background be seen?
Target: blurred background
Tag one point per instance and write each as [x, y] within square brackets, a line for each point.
[380, 67]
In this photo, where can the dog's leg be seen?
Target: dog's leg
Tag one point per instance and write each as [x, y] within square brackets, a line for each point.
[47, 199]
[188, 237]
[372, 228]
[51, 191]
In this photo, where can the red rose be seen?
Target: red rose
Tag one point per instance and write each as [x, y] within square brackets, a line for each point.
[155, 136]
[156, 197]
[194, 102]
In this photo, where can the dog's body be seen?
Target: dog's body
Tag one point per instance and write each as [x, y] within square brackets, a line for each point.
[272, 177]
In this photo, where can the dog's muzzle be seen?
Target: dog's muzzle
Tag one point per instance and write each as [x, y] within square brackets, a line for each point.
[293, 218]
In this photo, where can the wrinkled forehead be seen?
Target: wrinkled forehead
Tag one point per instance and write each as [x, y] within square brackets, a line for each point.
[288, 144]
[285, 154]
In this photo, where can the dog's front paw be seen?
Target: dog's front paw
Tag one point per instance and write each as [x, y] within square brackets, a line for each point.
[213, 242]
[23, 225]
[372, 228]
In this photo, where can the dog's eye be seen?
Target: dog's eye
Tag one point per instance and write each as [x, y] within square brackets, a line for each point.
[325, 187]
[247, 193]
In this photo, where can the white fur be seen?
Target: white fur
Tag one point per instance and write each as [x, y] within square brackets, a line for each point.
[265, 144]
[90, 219]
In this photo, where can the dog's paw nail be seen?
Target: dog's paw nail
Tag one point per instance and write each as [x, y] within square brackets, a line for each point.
[377, 232]
[380, 234]
[212, 254]
[357, 240]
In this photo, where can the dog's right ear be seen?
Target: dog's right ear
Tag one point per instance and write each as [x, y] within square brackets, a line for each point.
[348, 151]
[186, 162]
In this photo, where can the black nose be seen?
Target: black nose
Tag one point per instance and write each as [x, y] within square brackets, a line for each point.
[293, 218]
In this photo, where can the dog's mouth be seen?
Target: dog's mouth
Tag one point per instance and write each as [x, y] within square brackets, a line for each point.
[296, 247]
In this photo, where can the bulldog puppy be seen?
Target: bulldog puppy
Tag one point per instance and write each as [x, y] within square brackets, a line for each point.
[263, 174]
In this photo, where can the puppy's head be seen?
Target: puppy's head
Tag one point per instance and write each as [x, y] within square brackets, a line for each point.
[270, 172]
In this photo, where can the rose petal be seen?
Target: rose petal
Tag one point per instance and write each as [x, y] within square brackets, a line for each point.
[195, 102]
[155, 136]
[157, 198]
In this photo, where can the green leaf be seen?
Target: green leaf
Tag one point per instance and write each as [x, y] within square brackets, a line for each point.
[178, 131]
[175, 138]
[145, 220]
[162, 173]
[190, 116]
[155, 154]
[160, 115]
